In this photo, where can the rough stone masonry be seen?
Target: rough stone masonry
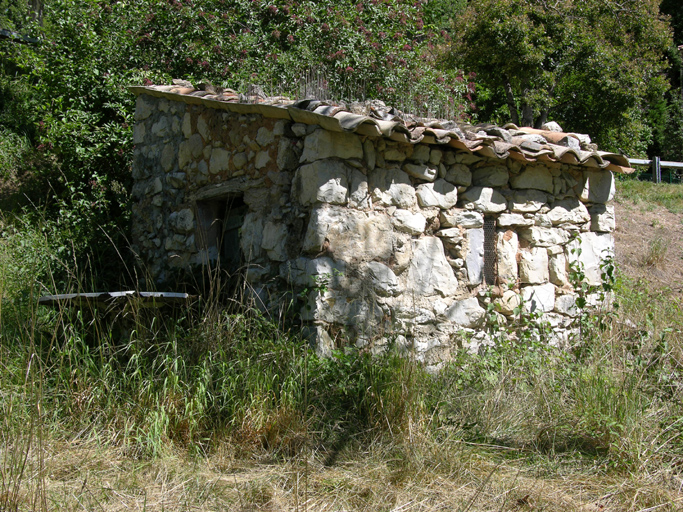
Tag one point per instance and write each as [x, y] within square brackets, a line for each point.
[378, 231]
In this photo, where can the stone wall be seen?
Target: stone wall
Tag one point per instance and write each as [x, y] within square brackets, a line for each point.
[387, 242]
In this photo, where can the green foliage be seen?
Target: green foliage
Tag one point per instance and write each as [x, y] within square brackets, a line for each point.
[67, 97]
[593, 71]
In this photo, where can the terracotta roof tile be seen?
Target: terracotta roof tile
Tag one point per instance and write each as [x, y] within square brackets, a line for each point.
[373, 118]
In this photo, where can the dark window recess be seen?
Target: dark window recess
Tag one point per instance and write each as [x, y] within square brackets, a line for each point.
[490, 251]
[233, 218]
[218, 229]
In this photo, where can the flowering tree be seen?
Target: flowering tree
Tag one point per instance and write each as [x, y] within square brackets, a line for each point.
[68, 93]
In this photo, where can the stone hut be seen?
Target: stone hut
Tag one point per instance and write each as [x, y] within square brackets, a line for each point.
[374, 226]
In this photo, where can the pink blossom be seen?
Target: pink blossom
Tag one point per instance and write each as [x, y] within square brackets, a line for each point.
[349, 69]
[290, 38]
[272, 9]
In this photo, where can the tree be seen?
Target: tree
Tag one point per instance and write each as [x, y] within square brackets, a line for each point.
[591, 64]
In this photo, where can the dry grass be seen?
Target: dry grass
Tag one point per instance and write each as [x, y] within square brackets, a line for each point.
[425, 478]
[656, 253]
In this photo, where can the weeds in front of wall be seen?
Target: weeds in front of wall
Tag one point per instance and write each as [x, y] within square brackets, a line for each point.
[656, 252]
[229, 384]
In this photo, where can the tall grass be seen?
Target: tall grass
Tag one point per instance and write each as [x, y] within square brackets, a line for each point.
[210, 379]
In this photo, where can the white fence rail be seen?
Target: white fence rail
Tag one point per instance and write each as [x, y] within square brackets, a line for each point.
[656, 164]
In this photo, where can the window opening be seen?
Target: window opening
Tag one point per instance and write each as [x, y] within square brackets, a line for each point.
[230, 248]
[490, 251]
[218, 230]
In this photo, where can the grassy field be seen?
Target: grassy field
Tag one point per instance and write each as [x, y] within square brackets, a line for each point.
[220, 409]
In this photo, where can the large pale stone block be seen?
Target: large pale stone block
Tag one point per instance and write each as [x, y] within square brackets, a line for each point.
[408, 222]
[508, 302]
[507, 220]
[274, 240]
[544, 237]
[491, 176]
[144, 106]
[350, 235]
[459, 174]
[536, 177]
[507, 246]
[466, 313]
[429, 272]
[533, 266]
[464, 218]
[474, 258]
[261, 160]
[251, 236]
[602, 218]
[324, 181]
[421, 154]
[527, 201]
[287, 157]
[407, 317]
[369, 154]
[394, 155]
[451, 235]
[382, 279]
[485, 200]
[558, 269]
[421, 171]
[392, 187]
[568, 211]
[182, 221]
[220, 160]
[598, 187]
[168, 157]
[203, 128]
[139, 133]
[539, 298]
[589, 251]
[566, 305]
[359, 193]
[335, 306]
[440, 193]
[322, 144]
[264, 136]
[187, 125]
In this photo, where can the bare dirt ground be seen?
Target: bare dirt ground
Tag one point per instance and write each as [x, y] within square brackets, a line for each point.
[649, 245]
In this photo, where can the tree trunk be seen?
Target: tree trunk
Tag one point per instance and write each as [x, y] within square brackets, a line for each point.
[541, 119]
[36, 10]
[512, 106]
[527, 115]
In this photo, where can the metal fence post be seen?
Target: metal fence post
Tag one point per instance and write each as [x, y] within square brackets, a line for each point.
[656, 170]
